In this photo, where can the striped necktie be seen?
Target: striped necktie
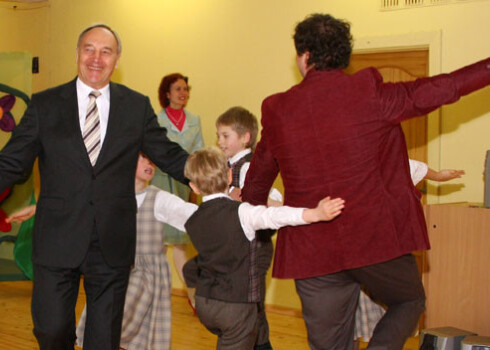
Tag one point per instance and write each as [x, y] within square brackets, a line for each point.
[91, 129]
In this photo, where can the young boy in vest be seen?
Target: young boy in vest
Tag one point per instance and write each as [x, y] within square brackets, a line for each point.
[223, 232]
[237, 131]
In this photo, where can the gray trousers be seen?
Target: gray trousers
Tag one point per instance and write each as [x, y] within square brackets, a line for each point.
[235, 324]
[329, 303]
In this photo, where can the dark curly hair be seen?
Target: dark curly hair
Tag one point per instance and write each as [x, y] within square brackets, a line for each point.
[165, 85]
[327, 39]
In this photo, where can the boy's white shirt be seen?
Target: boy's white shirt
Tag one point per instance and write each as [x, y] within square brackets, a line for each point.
[274, 194]
[169, 208]
[174, 211]
[259, 217]
[418, 170]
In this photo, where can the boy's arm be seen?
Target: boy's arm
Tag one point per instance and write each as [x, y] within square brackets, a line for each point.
[253, 218]
[235, 194]
[22, 214]
[173, 210]
[444, 174]
[418, 170]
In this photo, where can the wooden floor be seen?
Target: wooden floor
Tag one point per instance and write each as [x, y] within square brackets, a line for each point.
[287, 331]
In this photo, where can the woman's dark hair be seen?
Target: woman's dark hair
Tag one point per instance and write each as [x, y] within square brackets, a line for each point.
[165, 85]
[327, 39]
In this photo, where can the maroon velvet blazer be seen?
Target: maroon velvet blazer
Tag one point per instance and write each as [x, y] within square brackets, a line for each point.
[339, 135]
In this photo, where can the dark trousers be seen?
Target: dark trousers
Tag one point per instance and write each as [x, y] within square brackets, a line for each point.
[329, 303]
[55, 294]
[235, 324]
[265, 251]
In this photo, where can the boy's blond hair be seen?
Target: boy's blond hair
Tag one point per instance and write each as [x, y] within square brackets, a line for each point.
[241, 121]
[208, 169]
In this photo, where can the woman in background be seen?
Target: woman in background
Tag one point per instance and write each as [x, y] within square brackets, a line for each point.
[184, 128]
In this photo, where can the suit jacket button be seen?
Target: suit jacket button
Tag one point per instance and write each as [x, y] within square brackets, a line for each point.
[91, 202]
[94, 177]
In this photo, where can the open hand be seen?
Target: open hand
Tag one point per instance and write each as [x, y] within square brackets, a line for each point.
[449, 174]
[326, 210]
[330, 208]
[22, 214]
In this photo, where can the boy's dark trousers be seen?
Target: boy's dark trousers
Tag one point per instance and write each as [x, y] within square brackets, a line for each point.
[235, 324]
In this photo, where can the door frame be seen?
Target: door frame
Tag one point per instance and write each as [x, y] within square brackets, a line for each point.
[432, 41]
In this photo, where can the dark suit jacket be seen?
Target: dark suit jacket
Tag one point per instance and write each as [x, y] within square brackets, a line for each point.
[339, 135]
[74, 195]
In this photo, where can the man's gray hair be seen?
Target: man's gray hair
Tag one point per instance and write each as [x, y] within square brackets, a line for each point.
[101, 25]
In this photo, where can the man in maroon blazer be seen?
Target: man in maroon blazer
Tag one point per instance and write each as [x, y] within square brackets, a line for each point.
[340, 135]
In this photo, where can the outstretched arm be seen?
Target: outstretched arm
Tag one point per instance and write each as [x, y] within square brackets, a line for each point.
[22, 214]
[444, 174]
[253, 218]
[172, 210]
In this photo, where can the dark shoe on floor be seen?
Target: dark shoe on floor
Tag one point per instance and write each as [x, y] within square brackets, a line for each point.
[265, 346]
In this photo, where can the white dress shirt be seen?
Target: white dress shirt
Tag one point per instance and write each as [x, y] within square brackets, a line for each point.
[103, 104]
[259, 217]
[418, 170]
[169, 208]
[174, 211]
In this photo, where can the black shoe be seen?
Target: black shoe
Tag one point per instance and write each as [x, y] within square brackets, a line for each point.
[265, 346]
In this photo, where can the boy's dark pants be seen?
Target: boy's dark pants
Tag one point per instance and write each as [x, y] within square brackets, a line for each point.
[235, 324]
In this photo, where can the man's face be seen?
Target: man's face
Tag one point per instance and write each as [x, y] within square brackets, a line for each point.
[97, 57]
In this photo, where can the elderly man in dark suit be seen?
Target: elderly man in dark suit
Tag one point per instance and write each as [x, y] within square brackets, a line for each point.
[87, 135]
[340, 135]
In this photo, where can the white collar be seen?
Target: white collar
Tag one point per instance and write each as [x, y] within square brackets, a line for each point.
[213, 196]
[239, 155]
[84, 90]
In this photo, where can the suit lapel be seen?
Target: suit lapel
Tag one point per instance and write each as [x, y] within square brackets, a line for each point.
[70, 100]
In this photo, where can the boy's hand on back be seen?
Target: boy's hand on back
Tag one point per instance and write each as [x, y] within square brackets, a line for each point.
[326, 210]
[236, 194]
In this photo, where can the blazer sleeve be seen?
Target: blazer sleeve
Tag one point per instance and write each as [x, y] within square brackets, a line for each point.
[263, 166]
[20, 152]
[166, 154]
[400, 101]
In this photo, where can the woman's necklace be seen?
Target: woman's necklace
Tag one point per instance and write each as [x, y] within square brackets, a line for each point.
[174, 119]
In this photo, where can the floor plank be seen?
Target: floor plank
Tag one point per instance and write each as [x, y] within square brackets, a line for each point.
[287, 331]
